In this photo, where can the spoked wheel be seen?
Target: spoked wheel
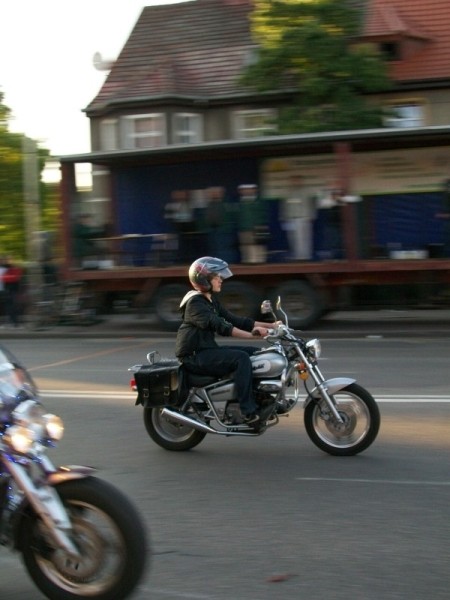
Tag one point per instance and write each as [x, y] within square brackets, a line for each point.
[109, 535]
[170, 434]
[361, 422]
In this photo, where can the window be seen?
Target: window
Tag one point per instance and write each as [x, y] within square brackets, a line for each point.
[405, 114]
[253, 123]
[109, 139]
[391, 50]
[144, 131]
[187, 128]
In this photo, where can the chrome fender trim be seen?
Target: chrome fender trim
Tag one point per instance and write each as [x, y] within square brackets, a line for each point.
[331, 386]
[68, 473]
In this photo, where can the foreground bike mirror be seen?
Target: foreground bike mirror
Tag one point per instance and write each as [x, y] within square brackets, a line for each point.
[266, 307]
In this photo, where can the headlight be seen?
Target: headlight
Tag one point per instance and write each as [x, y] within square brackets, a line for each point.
[30, 425]
[54, 427]
[314, 347]
[21, 439]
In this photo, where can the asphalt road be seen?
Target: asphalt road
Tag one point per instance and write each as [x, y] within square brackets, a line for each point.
[272, 517]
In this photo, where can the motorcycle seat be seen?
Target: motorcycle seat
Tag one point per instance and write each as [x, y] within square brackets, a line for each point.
[195, 380]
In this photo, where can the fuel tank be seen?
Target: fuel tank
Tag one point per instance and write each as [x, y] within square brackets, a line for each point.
[268, 363]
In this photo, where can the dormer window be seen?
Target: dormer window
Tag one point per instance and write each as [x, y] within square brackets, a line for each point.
[391, 50]
[144, 131]
[187, 128]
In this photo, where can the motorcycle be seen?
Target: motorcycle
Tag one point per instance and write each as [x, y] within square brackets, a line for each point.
[79, 536]
[181, 408]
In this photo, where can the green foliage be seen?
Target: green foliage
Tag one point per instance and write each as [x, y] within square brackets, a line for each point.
[309, 48]
[12, 222]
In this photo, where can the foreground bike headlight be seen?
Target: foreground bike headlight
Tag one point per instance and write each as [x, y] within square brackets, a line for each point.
[314, 348]
[54, 427]
[31, 425]
[20, 439]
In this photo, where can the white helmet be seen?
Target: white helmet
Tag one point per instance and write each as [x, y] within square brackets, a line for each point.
[201, 271]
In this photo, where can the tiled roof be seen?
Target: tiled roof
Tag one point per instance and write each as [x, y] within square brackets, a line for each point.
[198, 49]
[194, 49]
[425, 23]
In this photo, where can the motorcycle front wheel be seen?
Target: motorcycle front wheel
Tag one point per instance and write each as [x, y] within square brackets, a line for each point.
[109, 534]
[361, 422]
[170, 434]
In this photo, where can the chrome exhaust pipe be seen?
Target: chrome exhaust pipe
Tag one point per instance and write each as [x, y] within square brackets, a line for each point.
[176, 416]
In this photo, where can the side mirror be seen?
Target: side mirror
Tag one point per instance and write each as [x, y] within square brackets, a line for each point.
[279, 309]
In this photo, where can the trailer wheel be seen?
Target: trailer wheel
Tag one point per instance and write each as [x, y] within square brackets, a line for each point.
[301, 302]
[167, 304]
[240, 298]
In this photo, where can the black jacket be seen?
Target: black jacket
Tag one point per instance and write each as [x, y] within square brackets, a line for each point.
[202, 319]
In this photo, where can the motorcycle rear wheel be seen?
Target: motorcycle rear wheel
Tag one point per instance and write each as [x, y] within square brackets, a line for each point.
[361, 424]
[169, 434]
[110, 535]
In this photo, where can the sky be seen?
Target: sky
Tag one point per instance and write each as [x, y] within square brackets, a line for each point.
[47, 75]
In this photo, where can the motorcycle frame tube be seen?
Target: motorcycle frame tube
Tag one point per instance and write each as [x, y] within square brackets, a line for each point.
[203, 395]
[46, 503]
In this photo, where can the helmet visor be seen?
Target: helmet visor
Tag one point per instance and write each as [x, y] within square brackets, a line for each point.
[224, 273]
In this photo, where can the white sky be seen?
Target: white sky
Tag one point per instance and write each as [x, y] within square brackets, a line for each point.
[46, 63]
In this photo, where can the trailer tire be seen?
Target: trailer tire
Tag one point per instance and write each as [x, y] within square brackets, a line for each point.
[166, 304]
[240, 298]
[302, 303]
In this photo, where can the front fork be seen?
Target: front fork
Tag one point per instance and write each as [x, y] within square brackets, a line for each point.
[43, 498]
[326, 388]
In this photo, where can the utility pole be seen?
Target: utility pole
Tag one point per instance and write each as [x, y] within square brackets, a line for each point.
[32, 213]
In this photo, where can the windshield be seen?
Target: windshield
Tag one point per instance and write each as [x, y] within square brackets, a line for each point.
[15, 383]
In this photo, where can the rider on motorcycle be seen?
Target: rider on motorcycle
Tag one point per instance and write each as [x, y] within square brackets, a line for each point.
[203, 317]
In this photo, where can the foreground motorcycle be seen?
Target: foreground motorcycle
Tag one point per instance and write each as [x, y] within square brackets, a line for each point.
[79, 536]
[180, 408]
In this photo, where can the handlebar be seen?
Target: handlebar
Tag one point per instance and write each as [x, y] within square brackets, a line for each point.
[276, 332]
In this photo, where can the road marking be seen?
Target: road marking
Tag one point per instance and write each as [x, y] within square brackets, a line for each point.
[87, 394]
[90, 356]
[413, 399]
[376, 481]
[393, 399]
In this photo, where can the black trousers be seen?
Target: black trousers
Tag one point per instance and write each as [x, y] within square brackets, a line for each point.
[223, 361]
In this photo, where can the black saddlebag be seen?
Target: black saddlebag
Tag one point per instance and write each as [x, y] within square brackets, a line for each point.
[157, 384]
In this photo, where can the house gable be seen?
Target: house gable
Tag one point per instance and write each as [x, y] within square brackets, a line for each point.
[421, 32]
[192, 50]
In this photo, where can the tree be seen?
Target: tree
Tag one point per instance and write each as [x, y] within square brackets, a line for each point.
[309, 47]
[12, 223]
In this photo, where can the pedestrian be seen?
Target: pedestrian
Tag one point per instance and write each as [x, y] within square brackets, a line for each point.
[219, 224]
[85, 247]
[179, 211]
[12, 283]
[298, 213]
[444, 216]
[203, 318]
[252, 225]
[2, 286]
